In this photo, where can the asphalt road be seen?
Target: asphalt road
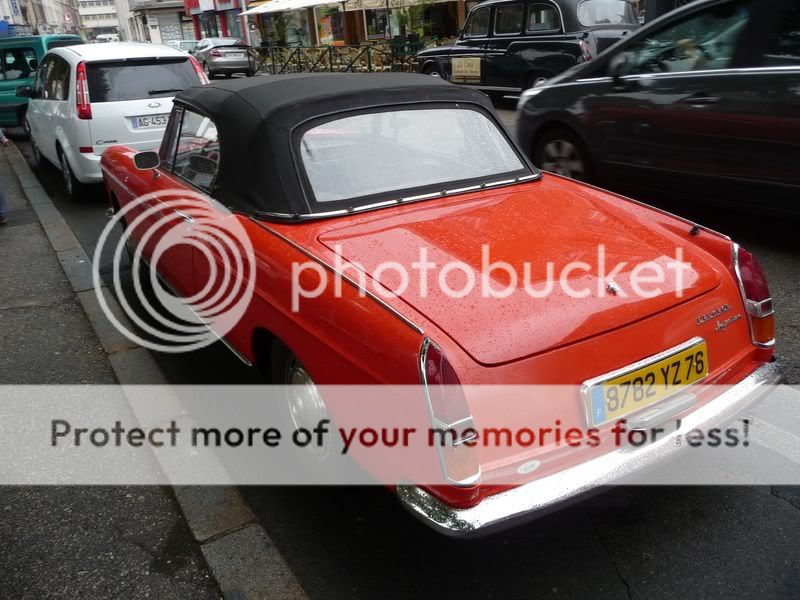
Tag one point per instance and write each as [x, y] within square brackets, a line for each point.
[706, 542]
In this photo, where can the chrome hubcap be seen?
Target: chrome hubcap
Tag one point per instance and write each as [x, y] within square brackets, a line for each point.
[306, 406]
[562, 157]
[434, 73]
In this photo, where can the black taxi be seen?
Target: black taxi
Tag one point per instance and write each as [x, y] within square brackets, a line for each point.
[511, 45]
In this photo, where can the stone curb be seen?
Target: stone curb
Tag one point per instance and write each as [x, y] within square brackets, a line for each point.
[241, 556]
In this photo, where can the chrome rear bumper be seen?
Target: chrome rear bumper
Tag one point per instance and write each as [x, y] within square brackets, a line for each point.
[536, 498]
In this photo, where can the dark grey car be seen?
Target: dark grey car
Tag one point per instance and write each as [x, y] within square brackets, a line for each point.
[223, 56]
[703, 102]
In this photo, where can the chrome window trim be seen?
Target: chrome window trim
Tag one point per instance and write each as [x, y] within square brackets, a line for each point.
[586, 386]
[399, 201]
[344, 277]
[483, 35]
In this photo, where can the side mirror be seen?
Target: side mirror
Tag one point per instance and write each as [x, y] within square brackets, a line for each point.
[146, 161]
[202, 165]
[25, 91]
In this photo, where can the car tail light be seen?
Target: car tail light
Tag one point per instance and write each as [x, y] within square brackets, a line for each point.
[199, 70]
[586, 50]
[449, 412]
[215, 52]
[82, 101]
[86, 150]
[756, 296]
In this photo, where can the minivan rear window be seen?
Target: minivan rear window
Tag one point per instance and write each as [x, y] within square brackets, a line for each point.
[139, 79]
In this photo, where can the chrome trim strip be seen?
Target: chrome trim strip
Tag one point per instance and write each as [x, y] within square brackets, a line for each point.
[353, 283]
[586, 386]
[537, 498]
[359, 209]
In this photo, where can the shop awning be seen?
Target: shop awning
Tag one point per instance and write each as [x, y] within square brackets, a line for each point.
[282, 5]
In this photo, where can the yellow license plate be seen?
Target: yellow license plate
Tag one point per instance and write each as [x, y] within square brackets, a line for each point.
[616, 395]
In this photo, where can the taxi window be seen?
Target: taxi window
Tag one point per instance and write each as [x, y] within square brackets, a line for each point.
[508, 19]
[478, 25]
[543, 17]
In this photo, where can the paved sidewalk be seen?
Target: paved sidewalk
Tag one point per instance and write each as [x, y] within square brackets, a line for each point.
[68, 542]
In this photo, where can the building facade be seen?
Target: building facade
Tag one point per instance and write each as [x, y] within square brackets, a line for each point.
[218, 18]
[31, 17]
[98, 17]
[160, 21]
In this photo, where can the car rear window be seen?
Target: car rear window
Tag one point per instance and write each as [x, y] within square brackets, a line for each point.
[139, 79]
[606, 12]
[396, 153]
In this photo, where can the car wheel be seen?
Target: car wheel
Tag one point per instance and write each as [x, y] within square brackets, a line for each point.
[208, 71]
[559, 151]
[305, 407]
[25, 125]
[432, 71]
[38, 158]
[74, 188]
[249, 73]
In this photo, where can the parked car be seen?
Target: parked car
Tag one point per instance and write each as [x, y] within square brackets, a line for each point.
[224, 56]
[87, 98]
[184, 45]
[360, 169]
[20, 58]
[511, 45]
[701, 103]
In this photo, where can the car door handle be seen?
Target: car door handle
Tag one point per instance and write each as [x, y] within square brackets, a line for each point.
[701, 99]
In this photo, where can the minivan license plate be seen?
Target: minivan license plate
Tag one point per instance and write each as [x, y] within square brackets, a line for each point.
[150, 122]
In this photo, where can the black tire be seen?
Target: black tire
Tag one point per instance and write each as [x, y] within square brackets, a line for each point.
[23, 121]
[39, 160]
[74, 188]
[249, 73]
[559, 150]
[209, 73]
[432, 70]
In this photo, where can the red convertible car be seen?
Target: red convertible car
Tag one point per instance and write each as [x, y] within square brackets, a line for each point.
[350, 172]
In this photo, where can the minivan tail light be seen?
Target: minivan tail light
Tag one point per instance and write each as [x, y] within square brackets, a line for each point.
[451, 420]
[756, 297]
[82, 101]
[199, 70]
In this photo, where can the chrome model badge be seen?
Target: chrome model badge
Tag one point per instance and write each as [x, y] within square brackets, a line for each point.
[710, 316]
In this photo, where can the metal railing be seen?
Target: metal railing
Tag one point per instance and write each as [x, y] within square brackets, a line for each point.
[367, 58]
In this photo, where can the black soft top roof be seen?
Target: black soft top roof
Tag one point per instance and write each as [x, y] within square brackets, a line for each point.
[255, 118]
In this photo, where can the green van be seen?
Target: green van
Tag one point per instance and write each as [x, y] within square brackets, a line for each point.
[19, 57]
